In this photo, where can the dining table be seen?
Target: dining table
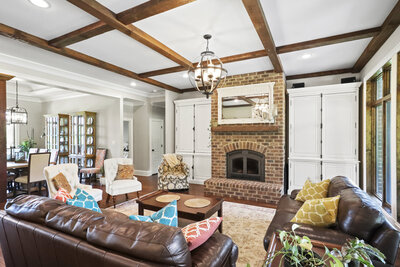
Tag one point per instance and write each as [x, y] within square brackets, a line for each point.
[11, 165]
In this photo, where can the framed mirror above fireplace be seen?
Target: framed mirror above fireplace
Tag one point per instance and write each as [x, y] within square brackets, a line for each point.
[247, 104]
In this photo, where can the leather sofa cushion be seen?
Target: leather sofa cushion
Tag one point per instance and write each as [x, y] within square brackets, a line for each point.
[338, 184]
[73, 220]
[288, 204]
[142, 240]
[322, 234]
[214, 252]
[31, 208]
[359, 214]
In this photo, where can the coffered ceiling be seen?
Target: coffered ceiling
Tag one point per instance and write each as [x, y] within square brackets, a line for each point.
[153, 42]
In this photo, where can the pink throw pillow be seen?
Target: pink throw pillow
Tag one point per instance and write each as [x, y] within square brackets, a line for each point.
[62, 195]
[199, 232]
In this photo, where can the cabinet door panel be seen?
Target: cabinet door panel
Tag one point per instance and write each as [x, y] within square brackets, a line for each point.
[184, 129]
[202, 167]
[188, 159]
[332, 169]
[301, 170]
[202, 128]
[339, 131]
[305, 126]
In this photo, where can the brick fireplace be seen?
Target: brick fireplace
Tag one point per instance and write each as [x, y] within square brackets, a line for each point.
[267, 142]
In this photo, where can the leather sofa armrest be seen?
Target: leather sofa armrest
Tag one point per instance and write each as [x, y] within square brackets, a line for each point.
[294, 193]
[387, 240]
[219, 250]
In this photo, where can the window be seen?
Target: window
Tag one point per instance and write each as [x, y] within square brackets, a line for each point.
[381, 104]
[12, 138]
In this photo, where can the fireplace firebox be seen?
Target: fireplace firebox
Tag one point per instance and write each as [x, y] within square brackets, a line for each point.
[245, 165]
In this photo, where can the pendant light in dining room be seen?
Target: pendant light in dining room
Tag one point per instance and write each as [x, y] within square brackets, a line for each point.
[208, 73]
[17, 114]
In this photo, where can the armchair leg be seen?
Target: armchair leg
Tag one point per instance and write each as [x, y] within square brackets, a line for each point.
[113, 201]
[126, 197]
[108, 198]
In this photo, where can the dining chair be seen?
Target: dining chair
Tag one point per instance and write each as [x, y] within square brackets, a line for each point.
[33, 150]
[53, 156]
[99, 163]
[43, 150]
[37, 163]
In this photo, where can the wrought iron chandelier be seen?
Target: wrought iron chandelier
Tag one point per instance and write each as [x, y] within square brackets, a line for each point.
[209, 73]
[16, 114]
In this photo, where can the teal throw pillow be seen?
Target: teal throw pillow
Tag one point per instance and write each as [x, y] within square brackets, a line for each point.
[167, 215]
[84, 200]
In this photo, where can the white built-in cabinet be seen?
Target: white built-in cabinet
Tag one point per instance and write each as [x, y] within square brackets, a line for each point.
[193, 136]
[323, 133]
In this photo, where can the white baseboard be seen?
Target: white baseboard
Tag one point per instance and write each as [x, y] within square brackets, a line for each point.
[143, 173]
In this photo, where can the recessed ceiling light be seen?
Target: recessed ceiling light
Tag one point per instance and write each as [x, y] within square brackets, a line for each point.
[236, 100]
[155, 91]
[305, 56]
[185, 75]
[40, 3]
[133, 84]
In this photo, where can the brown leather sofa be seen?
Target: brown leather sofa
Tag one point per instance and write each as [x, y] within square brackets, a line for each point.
[358, 216]
[39, 231]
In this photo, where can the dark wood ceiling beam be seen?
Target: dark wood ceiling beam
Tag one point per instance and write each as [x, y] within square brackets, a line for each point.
[137, 13]
[390, 24]
[228, 59]
[99, 11]
[346, 37]
[318, 74]
[351, 36]
[260, 23]
[41, 43]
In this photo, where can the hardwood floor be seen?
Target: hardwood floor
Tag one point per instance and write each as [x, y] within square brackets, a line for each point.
[149, 184]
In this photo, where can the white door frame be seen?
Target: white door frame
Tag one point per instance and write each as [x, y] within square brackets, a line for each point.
[151, 140]
[130, 121]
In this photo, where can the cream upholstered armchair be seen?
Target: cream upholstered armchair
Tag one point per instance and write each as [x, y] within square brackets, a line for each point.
[116, 187]
[173, 174]
[70, 172]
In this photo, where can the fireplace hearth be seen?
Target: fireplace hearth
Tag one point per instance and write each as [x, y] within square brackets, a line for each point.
[245, 164]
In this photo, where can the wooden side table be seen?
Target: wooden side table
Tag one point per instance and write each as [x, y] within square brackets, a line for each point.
[276, 245]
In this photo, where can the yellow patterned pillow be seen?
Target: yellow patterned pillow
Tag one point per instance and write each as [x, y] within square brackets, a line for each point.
[313, 191]
[318, 212]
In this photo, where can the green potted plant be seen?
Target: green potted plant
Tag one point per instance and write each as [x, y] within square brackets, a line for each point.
[296, 251]
[354, 252]
[26, 145]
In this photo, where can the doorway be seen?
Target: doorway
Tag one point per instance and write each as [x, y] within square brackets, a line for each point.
[157, 143]
[128, 138]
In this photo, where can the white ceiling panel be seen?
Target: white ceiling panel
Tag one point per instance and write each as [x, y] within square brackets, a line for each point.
[330, 57]
[121, 50]
[120, 5]
[180, 80]
[247, 66]
[293, 21]
[182, 28]
[61, 17]
[177, 79]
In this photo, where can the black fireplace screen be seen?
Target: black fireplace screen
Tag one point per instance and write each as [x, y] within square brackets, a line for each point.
[245, 165]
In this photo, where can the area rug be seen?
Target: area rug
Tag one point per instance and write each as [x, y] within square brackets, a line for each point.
[245, 224]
